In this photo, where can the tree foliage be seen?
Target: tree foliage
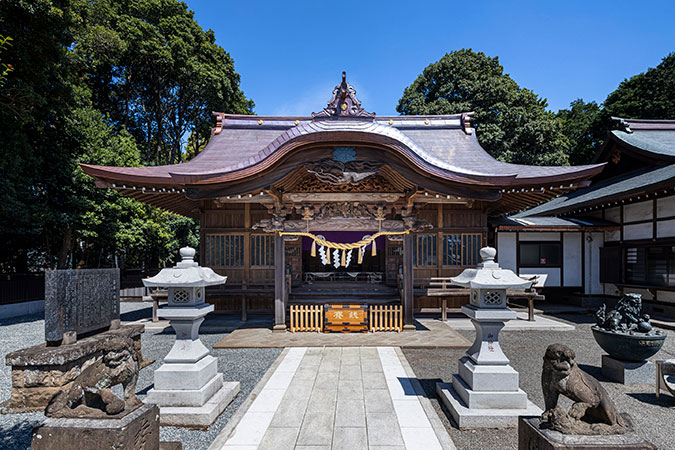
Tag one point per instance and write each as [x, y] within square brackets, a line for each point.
[648, 95]
[583, 125]
[512, 123]
[156, 72]
[101, 82]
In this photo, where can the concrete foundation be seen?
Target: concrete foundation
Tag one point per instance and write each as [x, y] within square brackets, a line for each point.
[628, 372]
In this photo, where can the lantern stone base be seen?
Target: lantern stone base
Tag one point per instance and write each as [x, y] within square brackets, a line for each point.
[628, 372]
[191, 394]
[486, 377]
[469, 418]
[200, 416]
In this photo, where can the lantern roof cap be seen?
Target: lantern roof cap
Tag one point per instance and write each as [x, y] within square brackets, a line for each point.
[187, 273]
[488, 275]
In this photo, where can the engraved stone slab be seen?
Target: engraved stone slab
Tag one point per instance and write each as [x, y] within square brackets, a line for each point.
[80, 301]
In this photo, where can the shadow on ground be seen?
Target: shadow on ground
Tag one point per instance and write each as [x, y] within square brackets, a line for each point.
[21, 319]
[664, 400]
[17, 436]
[137, 314]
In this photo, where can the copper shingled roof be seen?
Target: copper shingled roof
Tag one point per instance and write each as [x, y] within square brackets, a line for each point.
[439, 145]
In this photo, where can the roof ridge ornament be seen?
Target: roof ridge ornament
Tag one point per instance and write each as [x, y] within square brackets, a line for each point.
[622, 124]
[343, 103]
[466, 122]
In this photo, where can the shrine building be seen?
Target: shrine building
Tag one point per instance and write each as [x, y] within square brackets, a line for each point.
[340, 207]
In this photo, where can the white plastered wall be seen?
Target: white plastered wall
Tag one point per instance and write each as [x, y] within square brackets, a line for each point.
[592, 244]
[506, 250]
[572, 266]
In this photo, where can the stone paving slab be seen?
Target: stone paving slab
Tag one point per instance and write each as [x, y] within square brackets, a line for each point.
[430, 333]
[460, 322]
[366, 398]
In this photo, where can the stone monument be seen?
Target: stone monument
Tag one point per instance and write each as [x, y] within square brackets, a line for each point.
[592, 422]
[82, 314]
[78, 302]
[629, 339]
[188, 388]
[485, 393]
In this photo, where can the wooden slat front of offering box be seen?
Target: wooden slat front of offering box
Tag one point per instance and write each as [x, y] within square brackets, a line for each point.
[345, 319]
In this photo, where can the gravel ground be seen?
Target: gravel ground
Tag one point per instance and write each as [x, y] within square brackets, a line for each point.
[525, 349]
[244, 365]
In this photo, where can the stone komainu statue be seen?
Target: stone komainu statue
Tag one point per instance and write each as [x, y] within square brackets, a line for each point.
[593, 411]
[90, 395]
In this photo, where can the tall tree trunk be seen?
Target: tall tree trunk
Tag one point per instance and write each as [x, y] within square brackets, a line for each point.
[65, 248]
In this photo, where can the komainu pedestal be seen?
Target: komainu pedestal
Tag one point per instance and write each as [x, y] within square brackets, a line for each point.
[137, 430]
[532, 435]
[41, 371]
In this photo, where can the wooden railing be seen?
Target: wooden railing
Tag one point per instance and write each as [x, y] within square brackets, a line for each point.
[385, 318]
[306, 318]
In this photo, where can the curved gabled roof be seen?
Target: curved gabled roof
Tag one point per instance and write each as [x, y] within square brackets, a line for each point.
[442, 146]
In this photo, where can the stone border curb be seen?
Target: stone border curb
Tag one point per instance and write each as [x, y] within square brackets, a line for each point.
[227, 430]
[436, 424]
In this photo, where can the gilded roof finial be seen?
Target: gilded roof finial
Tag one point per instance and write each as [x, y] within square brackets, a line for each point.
[343, 103]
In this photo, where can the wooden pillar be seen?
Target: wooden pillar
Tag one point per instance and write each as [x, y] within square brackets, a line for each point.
[408, 320]
[279, 284]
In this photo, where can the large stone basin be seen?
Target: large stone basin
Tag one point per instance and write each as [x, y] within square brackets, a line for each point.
[629, 347]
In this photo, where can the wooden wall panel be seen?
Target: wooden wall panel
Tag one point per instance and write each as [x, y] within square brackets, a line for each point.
[223, 219]
[458, 218]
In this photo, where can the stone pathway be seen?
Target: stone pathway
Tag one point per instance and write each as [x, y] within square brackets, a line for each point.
[337, 398]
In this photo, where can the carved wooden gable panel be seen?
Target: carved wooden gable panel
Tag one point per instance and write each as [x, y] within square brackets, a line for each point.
[375, 183]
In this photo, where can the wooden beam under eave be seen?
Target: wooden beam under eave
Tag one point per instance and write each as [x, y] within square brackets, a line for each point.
[343, 197]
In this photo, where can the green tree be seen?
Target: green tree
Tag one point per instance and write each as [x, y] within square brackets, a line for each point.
[157, 72]
[648, 95]
[512, 123]
[584, 127]
[100, 82]
[35, 99]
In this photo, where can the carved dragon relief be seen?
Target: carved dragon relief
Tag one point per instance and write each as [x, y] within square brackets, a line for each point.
[339, 173]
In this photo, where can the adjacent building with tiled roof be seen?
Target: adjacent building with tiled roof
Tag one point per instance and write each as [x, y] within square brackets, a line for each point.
[631, 206]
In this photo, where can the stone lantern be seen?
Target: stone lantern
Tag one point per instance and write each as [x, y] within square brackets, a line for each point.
[188, 388]
[485, 393]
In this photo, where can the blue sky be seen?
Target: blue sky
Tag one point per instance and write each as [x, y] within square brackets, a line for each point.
[290, 54]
